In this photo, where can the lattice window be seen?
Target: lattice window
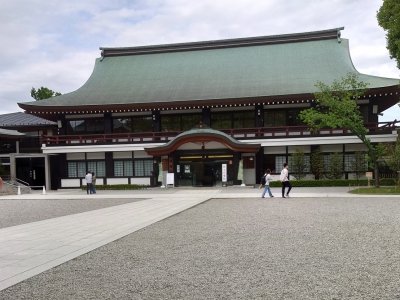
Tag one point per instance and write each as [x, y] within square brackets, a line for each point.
[143, 167]
[76, 169]
[98, 167]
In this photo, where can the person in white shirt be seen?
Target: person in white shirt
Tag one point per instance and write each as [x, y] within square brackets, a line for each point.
[285, 180]
[267, 178]
[88, 178]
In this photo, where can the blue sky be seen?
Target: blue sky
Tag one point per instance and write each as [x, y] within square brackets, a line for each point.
[55, 43]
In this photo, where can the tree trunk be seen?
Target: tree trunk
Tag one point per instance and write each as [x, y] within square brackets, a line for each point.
[376, 173]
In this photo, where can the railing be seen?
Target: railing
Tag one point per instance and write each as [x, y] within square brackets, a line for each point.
[17, 188]
[238, 133]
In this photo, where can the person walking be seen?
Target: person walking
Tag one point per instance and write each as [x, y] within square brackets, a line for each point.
[88, 178]
[93, 183]
[267, 178]
[285, 180]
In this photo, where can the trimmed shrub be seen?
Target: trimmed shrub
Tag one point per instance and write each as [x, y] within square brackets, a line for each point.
[336, 182]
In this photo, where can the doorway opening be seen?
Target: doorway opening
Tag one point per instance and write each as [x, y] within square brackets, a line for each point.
[203, 172]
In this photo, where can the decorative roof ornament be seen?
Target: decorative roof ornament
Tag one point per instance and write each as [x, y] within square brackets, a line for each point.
[339, 34]
[201, 126]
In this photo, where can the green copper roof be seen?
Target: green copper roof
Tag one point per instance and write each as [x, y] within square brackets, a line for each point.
[252, 70]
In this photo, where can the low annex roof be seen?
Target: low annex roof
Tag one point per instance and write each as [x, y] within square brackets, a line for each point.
[20, 119]
[268, 67]
[5, 133]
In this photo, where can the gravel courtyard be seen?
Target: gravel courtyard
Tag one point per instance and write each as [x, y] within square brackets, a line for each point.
[297, 248]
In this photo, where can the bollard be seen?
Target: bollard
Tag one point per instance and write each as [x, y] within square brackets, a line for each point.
[19, 190]
[44, 191]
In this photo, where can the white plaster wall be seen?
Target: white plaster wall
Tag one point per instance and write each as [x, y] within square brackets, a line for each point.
[355, 147]
[66, 183]
[331, 148]
[112, 181]
[141, 154]
[99, 181]
[75, 156]
[275, 150]
[306, 149]
[122, 154]
[96, 155]
[142, 180]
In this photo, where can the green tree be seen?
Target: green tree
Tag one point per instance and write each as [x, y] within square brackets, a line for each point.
[317, 163]
[389, 19]
[392, 156]
[336, 107]
[358, 164]
[298, 164]
[335, 166]
[43, 93]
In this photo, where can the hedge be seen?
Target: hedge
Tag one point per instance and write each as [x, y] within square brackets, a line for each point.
[337, 182]
[119, 187]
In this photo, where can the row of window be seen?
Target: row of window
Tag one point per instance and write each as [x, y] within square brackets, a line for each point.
[184, 122]
[278, 162]
[137, 167]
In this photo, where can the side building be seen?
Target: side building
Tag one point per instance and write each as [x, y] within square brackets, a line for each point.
[195, 106]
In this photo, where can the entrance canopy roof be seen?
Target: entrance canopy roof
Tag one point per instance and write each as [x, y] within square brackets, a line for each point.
[202, 134]
[245, 70]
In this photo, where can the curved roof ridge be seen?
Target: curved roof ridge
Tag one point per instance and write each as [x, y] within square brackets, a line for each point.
[224, 43]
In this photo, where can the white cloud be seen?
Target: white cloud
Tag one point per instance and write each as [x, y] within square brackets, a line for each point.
[55, 43]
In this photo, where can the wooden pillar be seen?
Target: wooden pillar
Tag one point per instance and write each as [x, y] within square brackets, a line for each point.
[108, 123]
[259, 115]
[206, 116]
[259, 164]
[156, 120]
[109, 166]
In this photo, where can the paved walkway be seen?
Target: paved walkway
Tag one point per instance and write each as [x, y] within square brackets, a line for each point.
[29, 249]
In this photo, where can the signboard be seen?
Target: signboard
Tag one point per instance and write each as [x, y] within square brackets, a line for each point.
[223, 173]
[368, 174]
[170, 178]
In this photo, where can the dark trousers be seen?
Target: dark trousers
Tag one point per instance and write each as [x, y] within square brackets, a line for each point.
[89, 188]
[284, 185]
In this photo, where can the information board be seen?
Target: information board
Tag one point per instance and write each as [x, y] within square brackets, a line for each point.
[171, 179]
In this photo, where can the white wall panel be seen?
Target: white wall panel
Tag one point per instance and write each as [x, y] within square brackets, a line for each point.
[96, 155]
[142, 180]
[331, 148]
[112, 181]
[66, 183]
[99, 181]
[306, 149]
[355, 147]
[141, 154]
[125, 154]
[274, 150]
[75, 156]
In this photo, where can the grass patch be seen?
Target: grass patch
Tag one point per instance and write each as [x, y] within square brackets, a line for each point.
[377, 191]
